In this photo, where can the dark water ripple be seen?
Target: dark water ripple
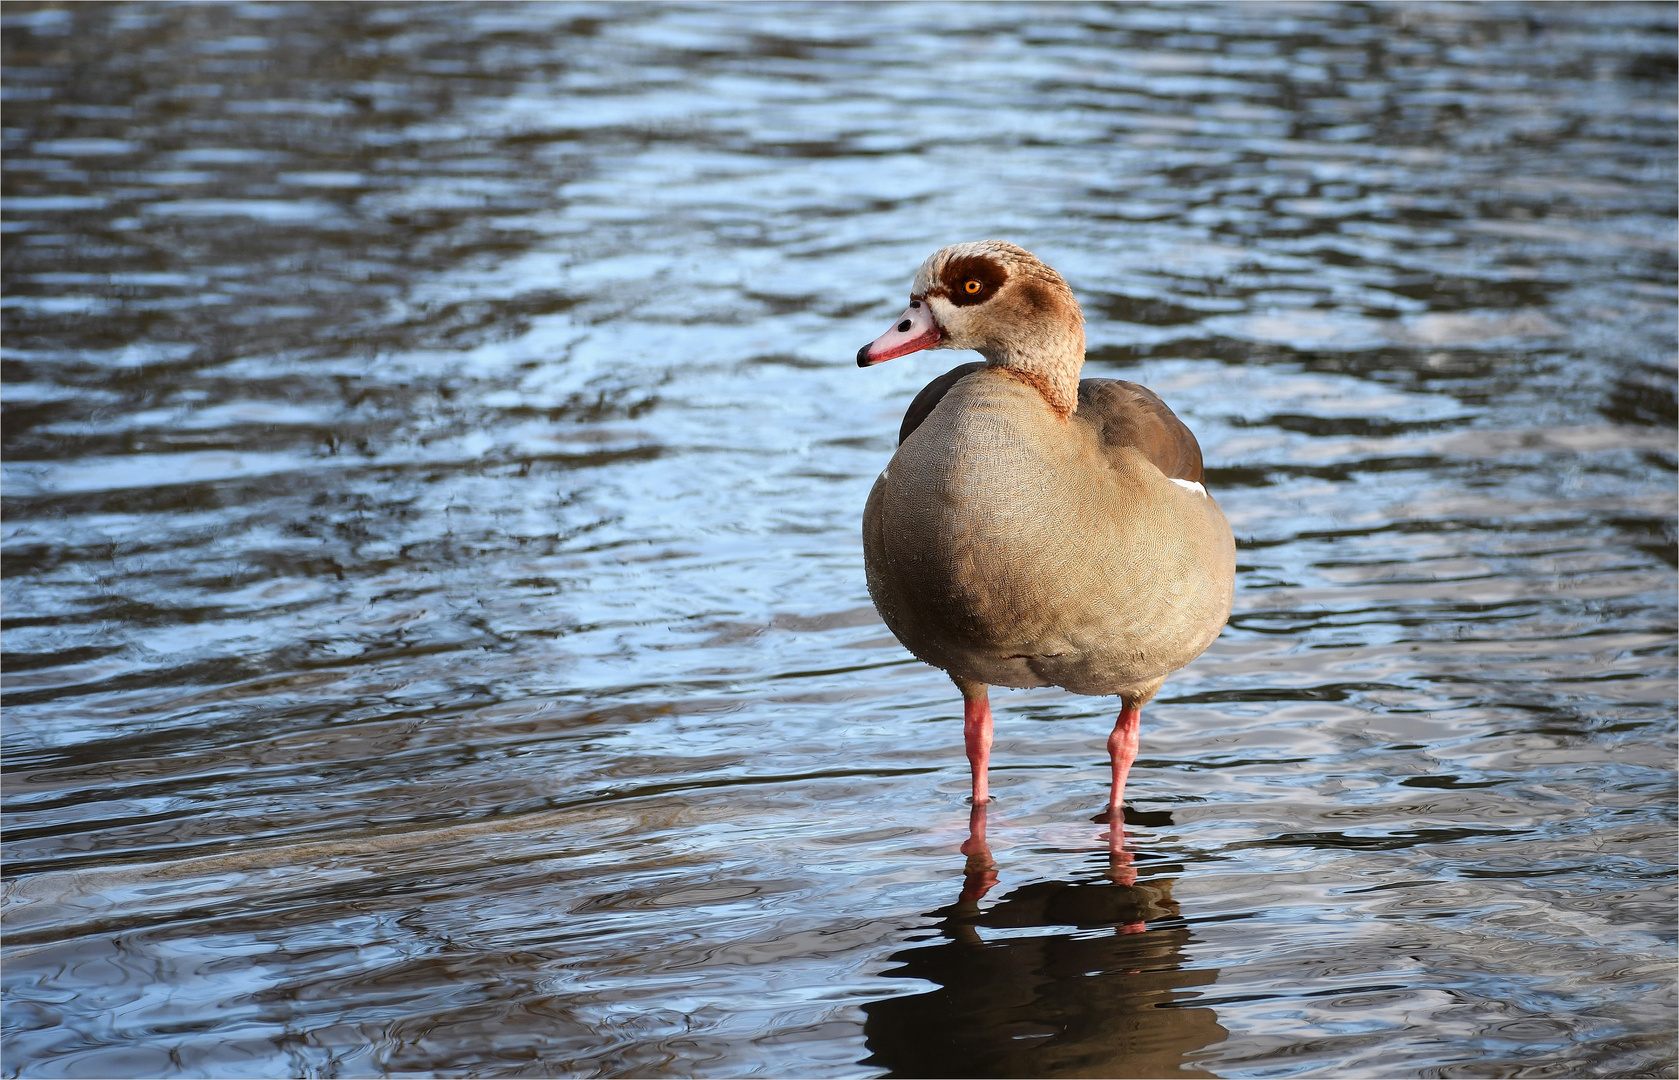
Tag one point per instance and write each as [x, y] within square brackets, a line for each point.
[435, 635]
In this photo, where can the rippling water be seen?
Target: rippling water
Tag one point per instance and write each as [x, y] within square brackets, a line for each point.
[435, 630]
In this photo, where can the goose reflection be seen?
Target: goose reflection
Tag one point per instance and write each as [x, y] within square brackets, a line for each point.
[1094, 995]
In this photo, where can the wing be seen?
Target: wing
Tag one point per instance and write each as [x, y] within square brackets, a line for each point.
[1125, 414]
[934, 392]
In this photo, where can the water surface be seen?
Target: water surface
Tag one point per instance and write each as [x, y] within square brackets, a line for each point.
[435, 632]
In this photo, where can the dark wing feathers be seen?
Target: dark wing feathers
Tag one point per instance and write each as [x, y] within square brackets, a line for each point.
[1122, 413]
[1125, 414]
[930, 396]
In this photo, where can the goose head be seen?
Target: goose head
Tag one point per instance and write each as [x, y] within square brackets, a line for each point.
[1000, 301]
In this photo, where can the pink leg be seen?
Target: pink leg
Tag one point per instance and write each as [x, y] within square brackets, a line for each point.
[1122, 751]
[976, 732]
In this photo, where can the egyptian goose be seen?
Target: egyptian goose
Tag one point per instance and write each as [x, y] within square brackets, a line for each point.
[1035, 529]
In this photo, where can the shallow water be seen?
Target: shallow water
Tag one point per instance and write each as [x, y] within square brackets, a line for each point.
[435, 630]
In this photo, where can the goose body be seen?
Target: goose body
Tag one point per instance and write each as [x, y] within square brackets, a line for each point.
[1033, 529]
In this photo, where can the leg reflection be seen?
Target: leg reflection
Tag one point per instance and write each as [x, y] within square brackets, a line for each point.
[1023, 988]
[981, 870]
[1120, 869]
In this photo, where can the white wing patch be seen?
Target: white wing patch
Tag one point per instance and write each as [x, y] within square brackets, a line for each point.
[1189, 485]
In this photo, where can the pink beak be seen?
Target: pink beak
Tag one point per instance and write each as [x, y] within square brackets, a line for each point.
[915, 330]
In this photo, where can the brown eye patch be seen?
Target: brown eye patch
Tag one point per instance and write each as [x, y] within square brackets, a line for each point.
[972, 279]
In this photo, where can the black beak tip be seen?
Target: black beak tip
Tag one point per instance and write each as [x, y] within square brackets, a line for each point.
[863, 356]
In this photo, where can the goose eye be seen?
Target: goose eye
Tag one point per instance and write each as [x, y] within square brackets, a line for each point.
[972, 287]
